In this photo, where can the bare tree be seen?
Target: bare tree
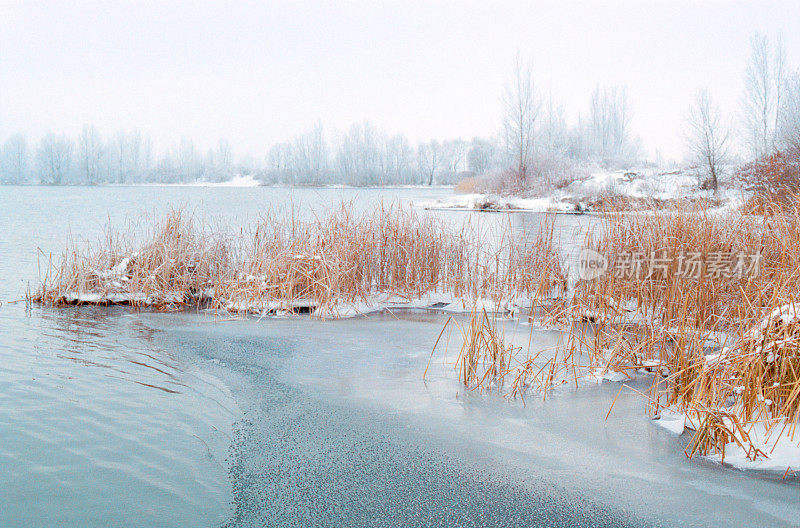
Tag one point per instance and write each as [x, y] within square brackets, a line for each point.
[189, 162]
[609, 124]
[223, 160]
[482, 155]
[789, 134]
[779, 81]
[360, 157]
[521, 106]
[278, 163]
[128, 157]
[764, 84]
[454, 151]
[554, 127]
[708, 137]
[90, 154]
[54, 159]
[14, 160]
[429, 159]
[400, 158]
[309, 157]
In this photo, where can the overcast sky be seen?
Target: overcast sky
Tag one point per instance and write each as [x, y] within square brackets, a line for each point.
[261, 72]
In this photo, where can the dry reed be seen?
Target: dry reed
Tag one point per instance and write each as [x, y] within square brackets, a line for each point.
[722, 347]
[321, 265]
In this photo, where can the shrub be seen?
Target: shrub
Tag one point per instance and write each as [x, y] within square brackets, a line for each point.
[775, 177]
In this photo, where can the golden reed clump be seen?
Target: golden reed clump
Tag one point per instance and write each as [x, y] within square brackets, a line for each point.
[316, 265]
[722, 347]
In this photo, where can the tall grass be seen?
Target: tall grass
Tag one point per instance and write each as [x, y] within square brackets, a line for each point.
[319, 264]
[485, 357]
[722, 347]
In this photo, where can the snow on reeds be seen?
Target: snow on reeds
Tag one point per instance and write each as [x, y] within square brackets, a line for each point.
[720, 343]
[329, 266]
[723, 344]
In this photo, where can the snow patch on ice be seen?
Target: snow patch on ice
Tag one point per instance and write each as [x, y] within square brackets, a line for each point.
[672, 421]
[782, 450]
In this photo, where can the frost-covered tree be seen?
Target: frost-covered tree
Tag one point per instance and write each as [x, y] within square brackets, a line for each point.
[789, 133]
[277, 170]
[553, 131]
[482, 155]
[453, 153]
[521, 106]
[91, 152]
[399, 158]
[609, 124]
[130, 158]
[359, 157]
[189, 163]
[219, 162]
[309, 161]
[765, 78]
[429, 160]
[708, 137]
[54, 159]
[14, 160]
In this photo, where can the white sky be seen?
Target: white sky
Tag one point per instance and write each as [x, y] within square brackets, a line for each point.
[258, 73]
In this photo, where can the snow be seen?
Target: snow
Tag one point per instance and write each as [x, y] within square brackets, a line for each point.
[672, 421]
[116, 272]
[782, 450]
[788, 313]
[238, 180]
[646, 183]
[379, 302]
[599, 375]
[491, 202]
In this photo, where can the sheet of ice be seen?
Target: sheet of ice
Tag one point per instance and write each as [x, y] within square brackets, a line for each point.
[567, 443]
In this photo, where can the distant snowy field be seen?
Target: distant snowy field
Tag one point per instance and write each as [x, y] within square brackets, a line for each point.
[237, 181]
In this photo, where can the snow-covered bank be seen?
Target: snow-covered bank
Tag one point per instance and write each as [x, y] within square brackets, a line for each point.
[442, 302]
[490, 202]
[380, 302]
[625, 189]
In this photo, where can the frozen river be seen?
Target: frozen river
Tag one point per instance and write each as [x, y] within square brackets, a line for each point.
[111, 417]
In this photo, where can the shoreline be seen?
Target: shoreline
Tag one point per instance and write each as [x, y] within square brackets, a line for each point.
[342, 267]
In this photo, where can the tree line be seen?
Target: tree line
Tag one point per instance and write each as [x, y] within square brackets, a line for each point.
[536, 145]
[769, 120]
[362, 156]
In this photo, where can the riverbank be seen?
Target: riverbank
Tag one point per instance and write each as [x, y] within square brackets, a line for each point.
[647, 189]
[657, 316]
